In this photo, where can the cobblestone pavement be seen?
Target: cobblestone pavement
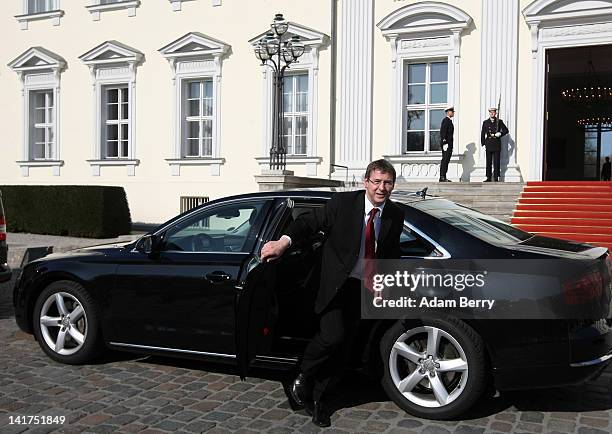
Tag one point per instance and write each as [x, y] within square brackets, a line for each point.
[125, 393]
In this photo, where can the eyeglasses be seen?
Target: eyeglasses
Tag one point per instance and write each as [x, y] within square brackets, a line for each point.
[377, 182]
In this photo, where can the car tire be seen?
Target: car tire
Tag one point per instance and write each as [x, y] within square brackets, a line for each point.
[66, 323]
[434, 368]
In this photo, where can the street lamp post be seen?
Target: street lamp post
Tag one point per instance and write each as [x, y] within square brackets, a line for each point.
[278, 53]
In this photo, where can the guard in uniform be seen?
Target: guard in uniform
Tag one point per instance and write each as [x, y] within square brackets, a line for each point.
[493, 129]
[447, 129]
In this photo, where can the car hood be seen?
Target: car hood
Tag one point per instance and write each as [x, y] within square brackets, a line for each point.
[98, 250]
[559, 248]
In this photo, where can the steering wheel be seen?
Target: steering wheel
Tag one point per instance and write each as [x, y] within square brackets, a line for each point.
[200, 242]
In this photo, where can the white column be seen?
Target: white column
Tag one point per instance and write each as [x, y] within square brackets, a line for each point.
[498, 75]
[356, 64]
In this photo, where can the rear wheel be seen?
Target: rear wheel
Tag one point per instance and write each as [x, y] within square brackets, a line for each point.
[66, 323]
[434, 368]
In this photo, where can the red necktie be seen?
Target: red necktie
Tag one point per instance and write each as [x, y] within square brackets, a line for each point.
[369, 254]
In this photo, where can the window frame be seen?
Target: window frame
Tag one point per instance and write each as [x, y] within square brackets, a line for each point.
[47, 125]
[427, 106]
[96, 7]
[119, 122]
[201, 118]
[294, 114]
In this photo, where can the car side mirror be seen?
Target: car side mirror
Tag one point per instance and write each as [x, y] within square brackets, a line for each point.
[149, 244]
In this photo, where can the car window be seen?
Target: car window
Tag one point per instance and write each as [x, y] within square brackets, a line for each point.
[475, 223]
[413, 245]
[223, 228]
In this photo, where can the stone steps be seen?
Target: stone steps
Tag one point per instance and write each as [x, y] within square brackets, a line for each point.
[495, 199]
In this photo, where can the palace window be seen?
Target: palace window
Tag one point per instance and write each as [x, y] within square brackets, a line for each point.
[198, 121]
[426, 97]
[295, 113]
[42, 125]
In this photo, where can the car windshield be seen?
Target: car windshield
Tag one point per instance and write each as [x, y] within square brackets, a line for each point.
[475, 223]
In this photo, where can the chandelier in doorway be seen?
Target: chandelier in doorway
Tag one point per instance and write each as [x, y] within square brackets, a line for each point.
[593, 92]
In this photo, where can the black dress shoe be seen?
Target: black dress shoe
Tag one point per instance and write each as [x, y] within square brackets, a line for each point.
[300, 391]
[487, 180]
[320, 415]
[496, 180]
[444, 180]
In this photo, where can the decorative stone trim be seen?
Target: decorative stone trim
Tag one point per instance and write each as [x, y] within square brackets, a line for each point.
[55, 16]
[95, 8]
[412, 167]
[214, 163]
[195, 56]
[112, 63]
[130, 164]
[25, 166]
[413, 34]
[559, 24]
[39, 69]
[294, 160]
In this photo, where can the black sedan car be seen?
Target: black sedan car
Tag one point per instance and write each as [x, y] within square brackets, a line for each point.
[194, 287]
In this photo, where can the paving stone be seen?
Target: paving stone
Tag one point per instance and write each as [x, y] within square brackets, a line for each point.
[465, 429]
[532, 416]
[218, 416]
[199, 426]
[529, 427]
[409, 423]
[594, 422]
[501, 426]
[561, 425]
[169, 425]
[435, 430]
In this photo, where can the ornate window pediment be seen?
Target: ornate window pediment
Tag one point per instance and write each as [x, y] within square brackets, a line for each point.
[194, 44]
[37, 59]
[546, 10]
[424, 17]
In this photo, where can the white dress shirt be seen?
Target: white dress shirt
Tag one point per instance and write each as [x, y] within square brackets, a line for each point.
[357, 272]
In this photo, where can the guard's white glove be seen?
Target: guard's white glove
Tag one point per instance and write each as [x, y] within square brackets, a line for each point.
[498, 135]
[445, 147]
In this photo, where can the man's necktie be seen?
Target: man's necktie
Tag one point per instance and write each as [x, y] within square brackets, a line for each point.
[369, 254]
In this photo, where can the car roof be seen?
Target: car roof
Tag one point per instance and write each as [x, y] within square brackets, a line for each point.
[403, 196]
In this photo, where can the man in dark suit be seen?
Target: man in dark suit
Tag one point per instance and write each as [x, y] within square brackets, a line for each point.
[447, 129]
[493, 129]
[359, 225]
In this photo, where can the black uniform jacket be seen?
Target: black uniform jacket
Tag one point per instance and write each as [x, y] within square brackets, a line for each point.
[341, 219]
[487, 135]
[447, 129]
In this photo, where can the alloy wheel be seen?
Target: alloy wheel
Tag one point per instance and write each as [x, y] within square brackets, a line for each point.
[63, 323]
[428, 367]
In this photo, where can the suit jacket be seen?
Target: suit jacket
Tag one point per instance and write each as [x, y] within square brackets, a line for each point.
[342, 221]
[447, 129]
[487, 134]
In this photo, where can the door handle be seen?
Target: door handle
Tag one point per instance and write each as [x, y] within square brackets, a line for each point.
[217, 277]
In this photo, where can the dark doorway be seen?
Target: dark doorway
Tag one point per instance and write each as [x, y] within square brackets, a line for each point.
[578, 122]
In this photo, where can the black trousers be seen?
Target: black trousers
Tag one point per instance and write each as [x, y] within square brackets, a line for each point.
[446, 156]
[493, 158]
[327, 354]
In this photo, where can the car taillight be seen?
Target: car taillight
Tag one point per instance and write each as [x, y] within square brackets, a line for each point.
[586, 288]
[2, 229]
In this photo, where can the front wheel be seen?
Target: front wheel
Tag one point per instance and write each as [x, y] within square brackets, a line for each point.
[66, 323]
[434, 368]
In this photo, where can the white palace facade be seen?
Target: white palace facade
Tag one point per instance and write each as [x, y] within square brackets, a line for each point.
[167, 99]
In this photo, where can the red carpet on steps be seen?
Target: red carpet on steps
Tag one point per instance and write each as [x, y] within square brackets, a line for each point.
[572, 210]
